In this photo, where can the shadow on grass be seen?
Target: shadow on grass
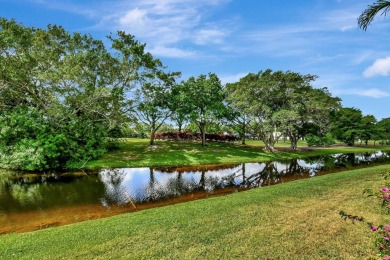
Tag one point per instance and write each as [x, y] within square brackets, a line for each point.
[138, 153]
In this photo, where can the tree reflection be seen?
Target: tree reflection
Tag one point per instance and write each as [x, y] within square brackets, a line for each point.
[24, 192]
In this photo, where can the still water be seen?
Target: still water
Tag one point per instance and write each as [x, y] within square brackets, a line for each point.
[35, 201]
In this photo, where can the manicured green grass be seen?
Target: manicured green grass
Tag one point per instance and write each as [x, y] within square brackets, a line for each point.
[138, 153]
[295, 220]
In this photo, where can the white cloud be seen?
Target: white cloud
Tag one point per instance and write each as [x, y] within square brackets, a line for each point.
[172, 52]
[206, 36]
[361, 57]
[164, 24]
[232, 77]
[347, 27]
[375, 93]
[134, 17]
[342, 20]
[372, 92]
[380, 67]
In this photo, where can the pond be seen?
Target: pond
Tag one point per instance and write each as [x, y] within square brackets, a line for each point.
[36, 201]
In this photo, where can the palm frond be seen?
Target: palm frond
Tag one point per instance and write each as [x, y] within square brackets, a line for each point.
[368, 15]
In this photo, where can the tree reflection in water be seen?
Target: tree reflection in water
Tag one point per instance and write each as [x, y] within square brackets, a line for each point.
[108, 187]
[32, 201]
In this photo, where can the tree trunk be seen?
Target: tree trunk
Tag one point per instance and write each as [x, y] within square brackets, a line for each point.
[269, 142]
[243, 133]
[203, 137]
[269, 147]
[151, 142]
[202, 127]
[294, 141]
[152, 133]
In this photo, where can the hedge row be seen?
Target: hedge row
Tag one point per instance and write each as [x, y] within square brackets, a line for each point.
[189, 136]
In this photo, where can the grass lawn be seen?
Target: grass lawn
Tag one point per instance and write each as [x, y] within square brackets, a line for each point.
[295, 220]
[138, 153]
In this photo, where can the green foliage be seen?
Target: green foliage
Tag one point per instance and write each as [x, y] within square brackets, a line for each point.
[367, 16]
[203, 100]
[213, 127]
[62, 94]
[383, 129]
[368, 130]
[280, 102]
[314, 140]
[29, 141]
[155, 101]
[347, 125]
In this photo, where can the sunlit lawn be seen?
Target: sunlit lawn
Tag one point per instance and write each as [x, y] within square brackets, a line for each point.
[137, 153]
[295, 220]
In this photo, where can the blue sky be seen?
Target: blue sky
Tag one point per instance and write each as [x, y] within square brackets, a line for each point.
[234, 37]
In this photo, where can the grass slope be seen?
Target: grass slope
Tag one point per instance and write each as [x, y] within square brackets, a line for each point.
[295, 220]
[138, 153]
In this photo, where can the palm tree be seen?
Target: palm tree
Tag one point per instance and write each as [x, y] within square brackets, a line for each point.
[368, 15]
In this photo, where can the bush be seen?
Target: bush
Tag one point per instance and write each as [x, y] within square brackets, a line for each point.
[31, 141]
[314, 140]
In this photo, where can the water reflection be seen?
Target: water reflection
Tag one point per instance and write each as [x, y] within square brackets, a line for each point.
[32, 201]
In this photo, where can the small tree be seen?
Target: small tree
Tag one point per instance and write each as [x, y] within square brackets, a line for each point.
[384, 129]
[236, 117]
[368, 128]
[154, 101]
[179, 115]
[347, 125]
[203, 101]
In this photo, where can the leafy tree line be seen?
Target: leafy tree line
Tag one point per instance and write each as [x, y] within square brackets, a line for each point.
[62, 95]
[349, 126]
[273, 104]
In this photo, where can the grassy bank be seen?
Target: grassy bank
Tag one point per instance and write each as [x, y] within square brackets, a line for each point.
[137, 153]
[294, 220]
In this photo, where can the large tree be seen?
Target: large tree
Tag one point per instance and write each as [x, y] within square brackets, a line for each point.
[368, 15]
[277, 103]
[61, 93]
[203, 100]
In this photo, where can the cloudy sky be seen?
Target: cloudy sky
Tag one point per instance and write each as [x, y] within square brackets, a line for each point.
[234, 37]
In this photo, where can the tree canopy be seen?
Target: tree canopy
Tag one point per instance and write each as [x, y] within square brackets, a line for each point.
[203, 100]
[280, 103]
[61, 93]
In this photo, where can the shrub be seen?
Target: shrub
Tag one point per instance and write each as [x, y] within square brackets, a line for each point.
[31, 141]
[315, 140]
